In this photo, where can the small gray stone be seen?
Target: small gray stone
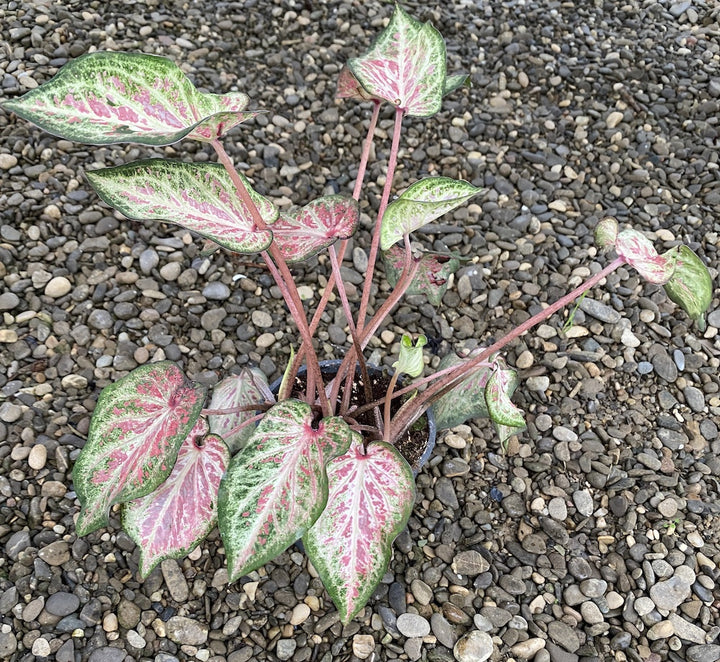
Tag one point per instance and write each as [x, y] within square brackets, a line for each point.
[186, 631]
[583, 502]
[10, 412]
[107, 654]
[670, 594]
[470, 564]
[421, 591]
[413, 625]
[285, 649]
[557, 509]
[261, 319]
[8, 645]
[100, 319]
[216, 291]
[8, 301]
[17, 542]
[175, 580]
[694, 398]
[475, 646]
[593, 588]
[564, 635]
[591, 613]
[128, 614]
[444, 632]
[686, 630]
[704, 653]
[149, 259]
[600, 310]
[56, 553]
[62, 603]
[58, 287]
[211, 319]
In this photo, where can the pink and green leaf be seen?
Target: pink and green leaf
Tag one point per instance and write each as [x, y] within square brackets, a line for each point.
[498, 391]
[432, 277]
[174, 519]
[370, 501]
[422, 203]
[638, 251]
[348, 87]
[104, 98]
[405, 66]
[606, 232]
[690, 285]
[277, 486]
[137, 427]
[303, 233]
[466, 400]
[250, 387]
[199, 197]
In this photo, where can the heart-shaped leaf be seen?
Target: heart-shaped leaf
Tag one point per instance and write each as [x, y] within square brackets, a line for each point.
[250, 387]
[467, 399]
[276, 487]
[405, 66]
[137, 427]
[104, 98]
[638, 251]
[199, 197]
[174, 519]
[498, 391]
[303, 233]
[690, 285]
[432, 275]
[371, 498]
[422, 203]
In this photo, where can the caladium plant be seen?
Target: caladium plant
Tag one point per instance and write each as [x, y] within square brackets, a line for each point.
[309, 460]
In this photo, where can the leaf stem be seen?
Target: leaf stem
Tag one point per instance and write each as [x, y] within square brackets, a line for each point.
[388, 402]
[236, 410]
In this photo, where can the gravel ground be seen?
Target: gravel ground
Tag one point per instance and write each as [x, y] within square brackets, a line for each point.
[595, 538]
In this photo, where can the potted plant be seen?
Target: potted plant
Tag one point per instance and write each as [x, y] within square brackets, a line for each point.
[317, 460]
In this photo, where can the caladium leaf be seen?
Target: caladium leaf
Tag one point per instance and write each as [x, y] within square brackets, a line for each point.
[432, 277]
[422, 203]
[371, 498]
[405, 66]
[690, 285]
[467, 399]
[606, 232]
[454, 82]
[305, 232]
[498, 391]
[199, 197]
[174, 519]
[250, 387]
[276, 487]
[349, 88]
[104, 98]
[638, 251]
[137, 427]
[410, 362]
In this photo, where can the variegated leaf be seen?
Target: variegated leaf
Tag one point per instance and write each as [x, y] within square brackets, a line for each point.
[432, 277]
[174, 519]
[405, 65]
[137, 427]
[276, 487]
[606, 232]
[199, 197]
[454, 82]
[638, 251]
[349, 88]
[467, 399]
[248, 388]
[103, 98]
[371, 498]
[690, 286]
[410, 361]
[305, 232]
[422, 203]
[498, 391]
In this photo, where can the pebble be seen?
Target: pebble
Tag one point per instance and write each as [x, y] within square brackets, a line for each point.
[186, 631]
[300, 614]
[704, 653]
[525, 650]
[37, 457]
[363, 646]
[216, 291]
[261, 319]
[8, 301]
[670, 594]
[62, 603]
[175, 580]
[413, 625]
[58, 287]
[443, 630]
[470, 563]
[475, 646]
[583, 502]
[41, 647]
[56, 553]
[661, 630]
[285, 649]
[7, 161]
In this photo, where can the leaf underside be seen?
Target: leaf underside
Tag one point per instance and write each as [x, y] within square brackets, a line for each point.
[105, 98]
[371, 497]
[690, 286]
[171, 521]
[498, 391]
[405, 66]
[348, 87]
[421, 203]
[199, 197]
[248, 388]
[305, 232]
[464, 401]
[432, 277]
[276, 487]
[137, 427]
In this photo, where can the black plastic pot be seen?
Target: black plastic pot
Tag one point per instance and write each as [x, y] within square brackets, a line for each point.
[330, 368]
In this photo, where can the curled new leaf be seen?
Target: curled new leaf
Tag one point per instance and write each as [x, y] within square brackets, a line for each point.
[498, 391]
[405, 66]
[690, 285]
[606, 232]
[137, 427]
[305, 232]
[348, 87]
[432, 276]
[174, 519]
[638, 251]
[371, 497]
[422, 203]
[104, 98]
[276, 487]
[199, 197]
[410, 362]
